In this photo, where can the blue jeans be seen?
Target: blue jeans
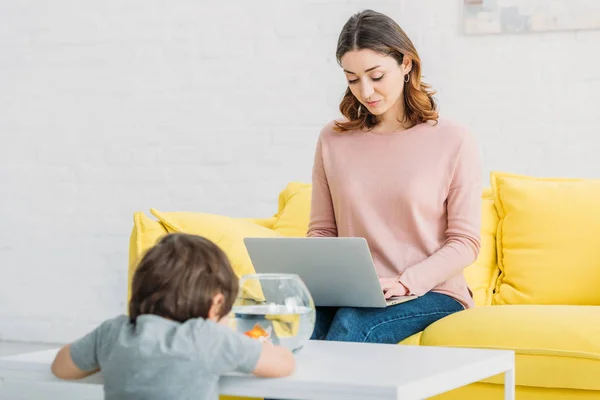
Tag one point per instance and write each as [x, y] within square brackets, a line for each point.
[383, 325]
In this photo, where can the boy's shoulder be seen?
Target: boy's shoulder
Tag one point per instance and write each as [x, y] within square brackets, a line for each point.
[220, 336]
[203, 329]
[113, 324]
[109, 330]
[119, 320]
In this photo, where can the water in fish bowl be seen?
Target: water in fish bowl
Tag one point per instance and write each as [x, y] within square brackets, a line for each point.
[276, 308]
[290, 328]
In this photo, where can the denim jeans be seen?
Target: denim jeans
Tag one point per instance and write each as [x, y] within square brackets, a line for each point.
[383, 325]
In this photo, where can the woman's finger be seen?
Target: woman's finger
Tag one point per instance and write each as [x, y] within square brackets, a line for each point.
[391, 293]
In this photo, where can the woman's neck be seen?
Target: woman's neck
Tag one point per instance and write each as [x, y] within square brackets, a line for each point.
[392, 120]
[391, 123]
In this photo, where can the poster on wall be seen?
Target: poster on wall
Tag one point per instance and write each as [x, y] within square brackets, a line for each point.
[523, 16]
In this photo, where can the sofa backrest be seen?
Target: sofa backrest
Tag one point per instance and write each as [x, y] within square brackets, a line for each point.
[291, 219]
[539, 238]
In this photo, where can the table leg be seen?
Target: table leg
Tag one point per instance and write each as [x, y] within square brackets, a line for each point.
[509, 384]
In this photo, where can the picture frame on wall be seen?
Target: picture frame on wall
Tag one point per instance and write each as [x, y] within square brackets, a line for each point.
[525, 16]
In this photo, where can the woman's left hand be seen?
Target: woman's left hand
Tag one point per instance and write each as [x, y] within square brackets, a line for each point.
[391, 287]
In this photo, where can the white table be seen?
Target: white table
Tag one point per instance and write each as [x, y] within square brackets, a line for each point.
[325, 370]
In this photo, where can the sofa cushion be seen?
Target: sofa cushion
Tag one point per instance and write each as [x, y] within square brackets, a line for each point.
[482, 274]
[548, 240]
[266, 222]
[293, 214]
[556, 346]
[226, 232]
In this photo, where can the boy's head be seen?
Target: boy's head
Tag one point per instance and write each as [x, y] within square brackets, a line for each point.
[182, 277]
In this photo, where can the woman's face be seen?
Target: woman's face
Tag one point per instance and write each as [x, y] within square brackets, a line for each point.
[376, 80]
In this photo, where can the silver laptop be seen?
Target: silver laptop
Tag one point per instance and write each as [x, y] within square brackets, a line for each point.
[338, 271]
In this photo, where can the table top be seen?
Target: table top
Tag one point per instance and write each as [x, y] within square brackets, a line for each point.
[332, 370]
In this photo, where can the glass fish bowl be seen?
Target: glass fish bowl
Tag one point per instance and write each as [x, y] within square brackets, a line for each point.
[276, 308]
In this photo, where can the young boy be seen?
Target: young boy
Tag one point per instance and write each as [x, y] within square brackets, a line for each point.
[173, 344]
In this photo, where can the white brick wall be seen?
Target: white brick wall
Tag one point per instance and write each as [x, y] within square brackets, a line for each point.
[116, 106]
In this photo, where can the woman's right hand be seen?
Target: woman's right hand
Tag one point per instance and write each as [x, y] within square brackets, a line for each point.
[392, 287]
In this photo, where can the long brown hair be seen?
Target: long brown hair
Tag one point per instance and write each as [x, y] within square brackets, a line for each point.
[375, 31]
[178, 278]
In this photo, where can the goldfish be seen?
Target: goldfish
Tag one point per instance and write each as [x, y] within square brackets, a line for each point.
[257, 332]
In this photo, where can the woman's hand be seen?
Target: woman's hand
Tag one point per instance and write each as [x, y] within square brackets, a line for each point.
[391, 287]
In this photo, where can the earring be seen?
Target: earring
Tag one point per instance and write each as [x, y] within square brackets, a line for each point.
[406, 78]
[359, 110]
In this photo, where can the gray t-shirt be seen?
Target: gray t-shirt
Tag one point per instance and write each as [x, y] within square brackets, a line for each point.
[162, 359]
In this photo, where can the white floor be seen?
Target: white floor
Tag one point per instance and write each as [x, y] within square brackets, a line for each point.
[11, 348]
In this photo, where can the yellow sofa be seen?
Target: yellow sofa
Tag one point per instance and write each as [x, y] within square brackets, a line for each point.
[535, 281]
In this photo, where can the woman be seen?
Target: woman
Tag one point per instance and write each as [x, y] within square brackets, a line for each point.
[396, 174]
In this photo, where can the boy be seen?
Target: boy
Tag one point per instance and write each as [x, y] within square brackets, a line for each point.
[173, 344]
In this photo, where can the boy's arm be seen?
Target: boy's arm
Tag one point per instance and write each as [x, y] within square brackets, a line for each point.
[63, 366]
[81, 358]
[231, 351]
[274, 362]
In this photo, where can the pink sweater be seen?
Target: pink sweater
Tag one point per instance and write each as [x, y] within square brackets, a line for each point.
[414, 195]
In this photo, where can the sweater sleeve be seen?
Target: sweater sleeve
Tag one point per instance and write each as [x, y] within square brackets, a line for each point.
[463, 242]
[322, 218]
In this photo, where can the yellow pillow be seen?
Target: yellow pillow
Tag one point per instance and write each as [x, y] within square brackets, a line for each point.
[144, 234]
[482, 274]
[226, 232]
[294, 210]
[548, 240]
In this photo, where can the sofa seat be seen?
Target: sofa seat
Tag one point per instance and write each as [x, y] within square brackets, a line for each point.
[555, 346]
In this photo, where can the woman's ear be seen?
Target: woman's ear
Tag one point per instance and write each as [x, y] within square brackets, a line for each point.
[406, 64]
[214, 314]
